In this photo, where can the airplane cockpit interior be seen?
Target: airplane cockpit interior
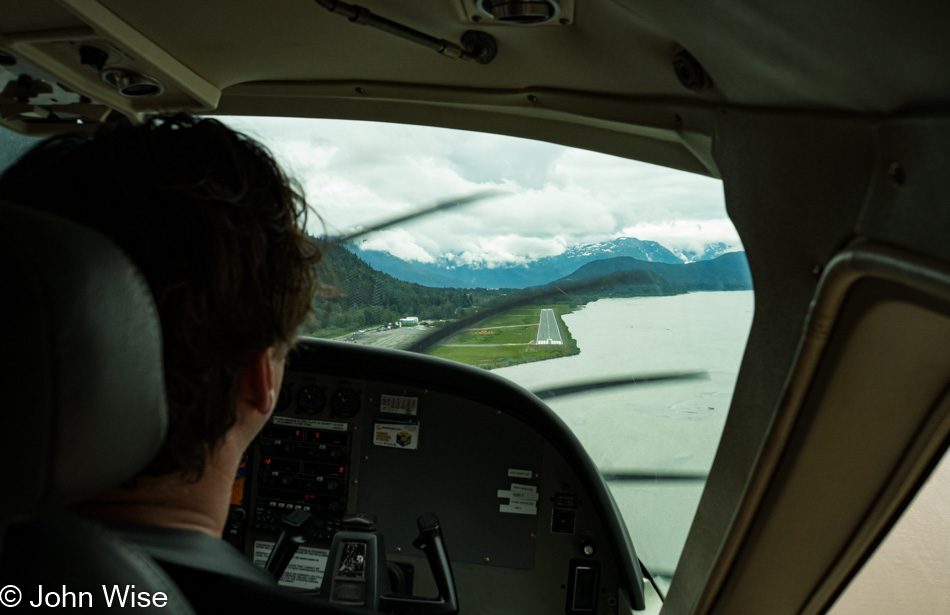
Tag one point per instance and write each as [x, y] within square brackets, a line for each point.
[633, 307]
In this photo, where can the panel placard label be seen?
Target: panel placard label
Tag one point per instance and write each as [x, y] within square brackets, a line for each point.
[397, 434]
[295, 422]
[522, 499]
[305, 570]
[397, 404]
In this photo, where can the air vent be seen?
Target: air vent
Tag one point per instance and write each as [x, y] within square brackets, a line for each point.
[520, 12]
[132, 84]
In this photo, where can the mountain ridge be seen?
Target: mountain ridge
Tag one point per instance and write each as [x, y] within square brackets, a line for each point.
[445, 273]
[727, 272]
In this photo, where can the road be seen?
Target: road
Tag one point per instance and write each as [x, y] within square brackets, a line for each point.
[399, 338]
[548, 331]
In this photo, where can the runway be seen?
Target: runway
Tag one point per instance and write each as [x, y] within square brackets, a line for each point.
[548, 330]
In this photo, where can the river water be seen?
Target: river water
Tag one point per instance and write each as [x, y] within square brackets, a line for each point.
[672, 427]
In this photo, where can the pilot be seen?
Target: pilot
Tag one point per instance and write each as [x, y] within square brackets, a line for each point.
[218, 230]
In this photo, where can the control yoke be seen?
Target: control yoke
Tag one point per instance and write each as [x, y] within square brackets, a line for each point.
[431, 543]
[356, 570]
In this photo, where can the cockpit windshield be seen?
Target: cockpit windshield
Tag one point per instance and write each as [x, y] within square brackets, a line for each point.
[616, 290]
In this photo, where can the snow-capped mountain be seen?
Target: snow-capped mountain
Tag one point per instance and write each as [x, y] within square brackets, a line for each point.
[445, 272]
[706, 253]
[649, 251]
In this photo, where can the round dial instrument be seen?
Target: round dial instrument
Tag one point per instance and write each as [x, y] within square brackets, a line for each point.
[311, 399]
[283, 398]
[345, 403]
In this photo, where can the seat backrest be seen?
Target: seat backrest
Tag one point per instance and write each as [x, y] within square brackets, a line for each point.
[84, 396]
[83, 401]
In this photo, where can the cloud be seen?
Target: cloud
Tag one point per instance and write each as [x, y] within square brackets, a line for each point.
[686, 234]
[401, 244]
[492, 252]
[358, 173]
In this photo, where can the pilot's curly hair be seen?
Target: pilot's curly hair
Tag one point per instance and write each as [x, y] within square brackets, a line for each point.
[218, 230]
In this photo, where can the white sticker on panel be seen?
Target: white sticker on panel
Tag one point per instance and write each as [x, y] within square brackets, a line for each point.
[518, 509]
[521, 491]
[518, 495]
[522, 499]
[295, 422]
[396, 404]
[305, 570]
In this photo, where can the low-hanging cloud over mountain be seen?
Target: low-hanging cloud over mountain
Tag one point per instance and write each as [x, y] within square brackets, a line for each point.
[357, 173]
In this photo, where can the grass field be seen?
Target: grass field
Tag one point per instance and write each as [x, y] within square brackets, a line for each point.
[520, 327]
[524, 315]
[511, 334]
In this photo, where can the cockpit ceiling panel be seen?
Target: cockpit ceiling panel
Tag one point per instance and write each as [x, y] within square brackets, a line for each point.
[758, 54]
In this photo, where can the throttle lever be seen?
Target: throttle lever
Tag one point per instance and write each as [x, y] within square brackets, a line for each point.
[296, 529]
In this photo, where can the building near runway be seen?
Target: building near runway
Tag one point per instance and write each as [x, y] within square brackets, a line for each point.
[409, 321]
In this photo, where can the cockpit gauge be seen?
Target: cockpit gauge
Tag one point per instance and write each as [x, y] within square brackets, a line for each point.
[345, 403]
[283, 398]
[311, 399]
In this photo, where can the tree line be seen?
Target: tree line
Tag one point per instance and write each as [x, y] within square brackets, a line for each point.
[356, 296]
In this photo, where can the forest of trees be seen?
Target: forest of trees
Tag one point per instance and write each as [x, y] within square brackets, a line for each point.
[358, 296]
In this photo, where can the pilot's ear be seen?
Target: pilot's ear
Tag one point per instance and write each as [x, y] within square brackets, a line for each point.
[259, 380]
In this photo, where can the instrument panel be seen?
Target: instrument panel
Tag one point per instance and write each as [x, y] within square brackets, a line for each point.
[526, 525]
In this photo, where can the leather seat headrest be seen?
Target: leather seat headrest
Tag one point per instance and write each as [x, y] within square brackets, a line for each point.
[83, 386]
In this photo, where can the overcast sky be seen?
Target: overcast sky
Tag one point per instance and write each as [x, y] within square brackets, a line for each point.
[358, 173]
